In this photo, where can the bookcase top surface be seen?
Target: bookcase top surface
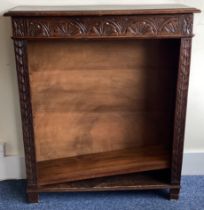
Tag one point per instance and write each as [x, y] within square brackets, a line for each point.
[100, 10]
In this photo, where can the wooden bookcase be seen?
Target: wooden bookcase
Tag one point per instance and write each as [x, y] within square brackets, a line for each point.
[103, 93]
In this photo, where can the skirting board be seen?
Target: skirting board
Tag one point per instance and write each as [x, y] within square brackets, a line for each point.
[13, 167]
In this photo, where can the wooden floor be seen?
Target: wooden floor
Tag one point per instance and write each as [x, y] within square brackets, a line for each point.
[103, 164]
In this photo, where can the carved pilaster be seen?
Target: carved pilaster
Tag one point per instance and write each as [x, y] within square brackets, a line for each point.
[26, 111]
[180, 109]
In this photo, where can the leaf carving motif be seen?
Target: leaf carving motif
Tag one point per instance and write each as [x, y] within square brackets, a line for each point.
[36, 28]
[170, 26]
[125, 26]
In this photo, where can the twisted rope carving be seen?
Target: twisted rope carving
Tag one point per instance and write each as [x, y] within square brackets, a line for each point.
[26, 111]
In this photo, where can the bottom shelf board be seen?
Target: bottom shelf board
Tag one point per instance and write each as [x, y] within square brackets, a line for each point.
[136, 181]
[103, 164]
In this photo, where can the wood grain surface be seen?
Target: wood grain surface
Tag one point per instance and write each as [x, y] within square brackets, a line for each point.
[103, 102]
[103, 164]
[158, 179]
[98, 96]
[100, 10]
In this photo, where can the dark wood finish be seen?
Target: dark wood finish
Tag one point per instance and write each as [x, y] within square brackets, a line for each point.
[135, 181]
[174, 194]
[32, 197]
[97, 10]
[103, 164]
[180, 110]
[97, 27]
[174, 22]
[26, 110]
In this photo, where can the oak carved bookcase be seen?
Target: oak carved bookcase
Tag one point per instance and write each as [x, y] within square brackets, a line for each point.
[103, 93]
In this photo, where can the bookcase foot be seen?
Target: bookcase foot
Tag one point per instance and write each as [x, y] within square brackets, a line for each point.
[32, 197]
[174, 194]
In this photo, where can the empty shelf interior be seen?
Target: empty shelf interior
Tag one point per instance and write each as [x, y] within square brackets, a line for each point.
[98, 96]
[143, 180]
[103, 164]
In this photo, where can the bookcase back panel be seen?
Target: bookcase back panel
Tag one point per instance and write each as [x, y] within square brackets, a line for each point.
[97, 96]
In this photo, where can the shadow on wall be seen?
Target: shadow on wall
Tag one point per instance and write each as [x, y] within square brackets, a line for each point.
[10, 126]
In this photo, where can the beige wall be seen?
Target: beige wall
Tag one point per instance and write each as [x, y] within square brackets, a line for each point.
[10, 125]
[194, 136]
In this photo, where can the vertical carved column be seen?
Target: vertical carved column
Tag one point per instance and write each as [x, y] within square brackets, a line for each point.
[180, 109]
[26, 110]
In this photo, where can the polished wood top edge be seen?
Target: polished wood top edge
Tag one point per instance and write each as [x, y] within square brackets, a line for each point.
[100, 10]
[103, 38]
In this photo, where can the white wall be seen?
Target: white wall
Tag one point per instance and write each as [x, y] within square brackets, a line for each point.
[10, 124]
[194, 136]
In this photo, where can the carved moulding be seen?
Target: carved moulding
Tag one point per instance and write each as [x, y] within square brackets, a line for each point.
[26, 110]
[180, 111]
[103, 26]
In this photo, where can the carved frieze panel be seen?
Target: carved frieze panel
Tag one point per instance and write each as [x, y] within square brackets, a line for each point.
[103, 26]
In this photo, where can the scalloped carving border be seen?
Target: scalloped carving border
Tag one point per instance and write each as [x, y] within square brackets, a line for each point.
[104, 26]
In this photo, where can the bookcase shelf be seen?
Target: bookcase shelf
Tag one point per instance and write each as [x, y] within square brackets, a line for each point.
[157, 179]
[103, 94]
[103, 164]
